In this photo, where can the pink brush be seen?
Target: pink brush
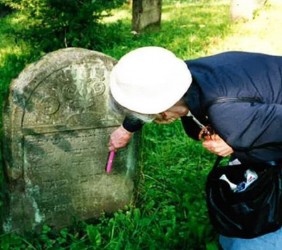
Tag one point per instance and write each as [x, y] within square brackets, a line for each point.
[110, 161]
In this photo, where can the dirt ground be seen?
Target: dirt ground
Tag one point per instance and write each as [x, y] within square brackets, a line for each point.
[262, 34]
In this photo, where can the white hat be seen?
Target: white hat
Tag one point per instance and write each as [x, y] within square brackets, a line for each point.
[149, 80]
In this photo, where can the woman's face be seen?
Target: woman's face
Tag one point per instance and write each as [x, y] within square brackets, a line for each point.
[166, 117]
[171, 114]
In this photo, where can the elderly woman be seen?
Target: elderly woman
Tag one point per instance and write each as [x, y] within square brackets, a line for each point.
[237, 94]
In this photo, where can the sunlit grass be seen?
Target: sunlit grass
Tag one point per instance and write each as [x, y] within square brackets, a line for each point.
[261, 34]
[117, 15]
[185, 29]
[11, 45]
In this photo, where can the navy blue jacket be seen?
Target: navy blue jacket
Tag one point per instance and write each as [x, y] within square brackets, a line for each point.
[253, 130]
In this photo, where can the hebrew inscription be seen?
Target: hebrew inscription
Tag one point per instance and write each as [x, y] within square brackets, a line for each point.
[57, 125]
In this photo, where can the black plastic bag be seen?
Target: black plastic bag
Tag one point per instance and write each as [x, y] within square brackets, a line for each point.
[245, 214]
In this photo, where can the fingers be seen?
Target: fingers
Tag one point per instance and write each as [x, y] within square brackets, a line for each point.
[117, 144]
[112, 147]
[119, 138]
[217, 146]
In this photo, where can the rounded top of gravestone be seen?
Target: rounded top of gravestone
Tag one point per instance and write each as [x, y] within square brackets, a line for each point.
[66, 89]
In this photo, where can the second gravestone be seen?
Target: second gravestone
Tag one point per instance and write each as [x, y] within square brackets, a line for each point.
[57, 125]
[146, 13]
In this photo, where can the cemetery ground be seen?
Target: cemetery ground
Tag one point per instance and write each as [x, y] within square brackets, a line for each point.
[169, 208]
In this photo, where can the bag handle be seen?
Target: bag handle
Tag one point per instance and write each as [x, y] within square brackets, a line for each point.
[217, 162]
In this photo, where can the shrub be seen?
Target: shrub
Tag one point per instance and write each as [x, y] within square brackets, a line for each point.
[53, 24]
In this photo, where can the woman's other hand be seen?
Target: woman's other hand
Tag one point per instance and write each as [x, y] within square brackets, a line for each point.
[217, 146]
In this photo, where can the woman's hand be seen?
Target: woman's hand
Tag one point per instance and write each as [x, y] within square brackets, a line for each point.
[119, 138]
[217, 146]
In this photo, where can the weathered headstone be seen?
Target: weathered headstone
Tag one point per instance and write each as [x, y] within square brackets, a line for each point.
[57, 125]
[146, 13]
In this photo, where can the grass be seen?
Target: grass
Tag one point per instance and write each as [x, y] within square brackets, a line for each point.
[169, 212]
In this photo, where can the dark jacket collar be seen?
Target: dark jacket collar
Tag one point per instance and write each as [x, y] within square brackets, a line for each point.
[193, 100]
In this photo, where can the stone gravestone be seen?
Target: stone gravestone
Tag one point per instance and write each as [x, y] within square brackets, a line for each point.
[57, 125]
[146, 13]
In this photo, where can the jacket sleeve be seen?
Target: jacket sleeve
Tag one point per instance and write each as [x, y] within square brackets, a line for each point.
[246, 126]
[132, 124]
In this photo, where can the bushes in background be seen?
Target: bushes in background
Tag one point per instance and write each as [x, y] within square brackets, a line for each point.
[53, 24]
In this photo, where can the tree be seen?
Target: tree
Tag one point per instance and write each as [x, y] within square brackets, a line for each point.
[52, 24]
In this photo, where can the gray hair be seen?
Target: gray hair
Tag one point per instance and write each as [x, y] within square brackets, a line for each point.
[116, 107]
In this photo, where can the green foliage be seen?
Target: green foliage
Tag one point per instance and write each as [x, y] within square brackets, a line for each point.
[4, 10]
[170, 211]
[175, 169]
[53, 24]
[14, 55]
[186, 29]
